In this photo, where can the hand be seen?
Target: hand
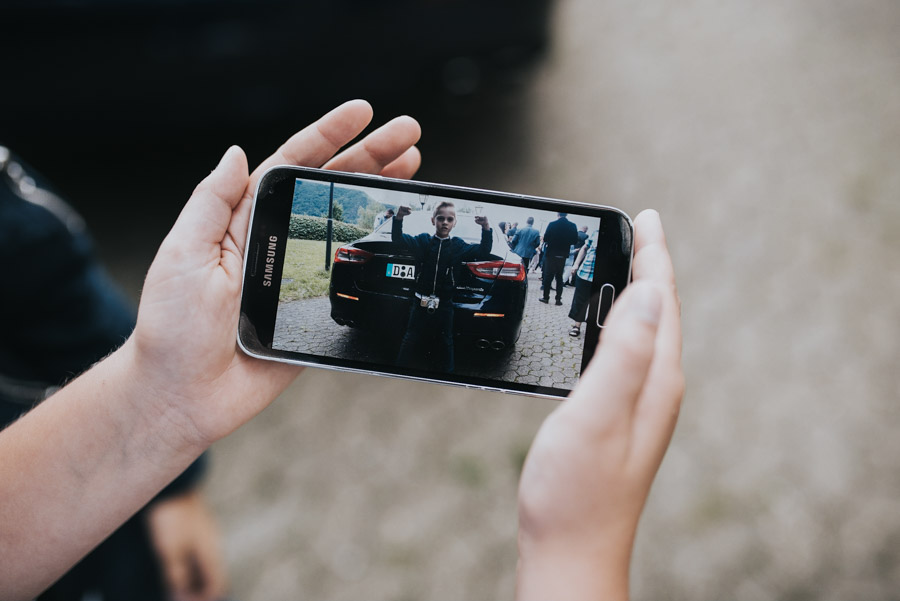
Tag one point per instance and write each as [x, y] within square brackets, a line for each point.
[183, 346]
[184, 534]
[482, 220]
[403, 211]
[590, 468]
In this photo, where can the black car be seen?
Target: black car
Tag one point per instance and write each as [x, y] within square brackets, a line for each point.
[372, 283]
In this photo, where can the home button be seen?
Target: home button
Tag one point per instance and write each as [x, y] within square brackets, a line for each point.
[607, 294]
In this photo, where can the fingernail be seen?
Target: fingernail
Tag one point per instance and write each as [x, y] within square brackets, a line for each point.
[646, 303]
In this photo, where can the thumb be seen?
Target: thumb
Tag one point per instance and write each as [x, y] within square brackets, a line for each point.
[207, 214]
[609, 389]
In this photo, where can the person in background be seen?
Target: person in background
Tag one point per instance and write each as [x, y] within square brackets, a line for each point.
[569, 270]
[61, 313]
[583, 269]
[382, 218]
[559, 237]
[582, 237]
[525, 242]
[511, 232]
[541, 255]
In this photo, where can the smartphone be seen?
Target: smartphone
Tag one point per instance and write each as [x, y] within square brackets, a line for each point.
[429, 282]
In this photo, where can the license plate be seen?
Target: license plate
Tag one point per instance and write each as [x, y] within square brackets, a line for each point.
[399, 270]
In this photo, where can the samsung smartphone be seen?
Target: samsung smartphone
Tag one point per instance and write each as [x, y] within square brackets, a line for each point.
[429, 282]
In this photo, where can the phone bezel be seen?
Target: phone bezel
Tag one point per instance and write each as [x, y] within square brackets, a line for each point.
[251, 298]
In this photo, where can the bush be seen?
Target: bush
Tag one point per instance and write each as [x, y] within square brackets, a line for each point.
[304, 227]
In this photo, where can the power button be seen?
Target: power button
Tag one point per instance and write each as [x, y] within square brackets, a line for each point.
[607, 294]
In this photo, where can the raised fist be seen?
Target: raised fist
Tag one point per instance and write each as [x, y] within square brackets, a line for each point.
[403, 211]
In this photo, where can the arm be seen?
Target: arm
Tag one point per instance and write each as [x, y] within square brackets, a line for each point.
[579, 258]
[79, 317]
[482, 249]
[102, 446]
[398, 237]
[590, 468]
[487, 241]
[487, 238]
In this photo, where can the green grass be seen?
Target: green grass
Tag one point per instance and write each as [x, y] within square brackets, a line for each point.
[304, 264]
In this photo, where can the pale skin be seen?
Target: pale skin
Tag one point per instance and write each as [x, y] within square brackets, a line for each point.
[125, 428]
[444, 220]
[590, 468]
[186, 539]
[134, 421]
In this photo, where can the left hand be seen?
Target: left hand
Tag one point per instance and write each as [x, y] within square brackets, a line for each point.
[187, 543]
[183, 348]
[589, 471]
[482, 220]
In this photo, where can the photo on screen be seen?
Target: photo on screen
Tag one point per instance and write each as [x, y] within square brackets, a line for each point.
[424, 282]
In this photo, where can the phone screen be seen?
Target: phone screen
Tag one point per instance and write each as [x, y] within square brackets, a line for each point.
[443, 284]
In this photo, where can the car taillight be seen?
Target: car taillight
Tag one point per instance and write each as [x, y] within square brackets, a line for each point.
[349, 254]
[498, 270]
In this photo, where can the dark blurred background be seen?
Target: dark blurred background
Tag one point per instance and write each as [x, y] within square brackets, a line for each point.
[766, 133]
[124, 106]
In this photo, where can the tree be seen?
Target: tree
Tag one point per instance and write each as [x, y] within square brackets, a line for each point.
[365, 218]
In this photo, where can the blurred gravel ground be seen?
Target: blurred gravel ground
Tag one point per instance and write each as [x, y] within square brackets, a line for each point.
[767, 134]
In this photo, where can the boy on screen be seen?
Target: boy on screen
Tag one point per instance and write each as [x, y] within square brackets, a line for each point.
[431, 310]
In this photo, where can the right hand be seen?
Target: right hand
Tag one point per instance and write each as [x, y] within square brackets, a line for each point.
[184, 346]
[590, 468]
[403, 211]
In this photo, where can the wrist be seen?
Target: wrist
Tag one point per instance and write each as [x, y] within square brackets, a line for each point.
[152, 408]
[548, 571]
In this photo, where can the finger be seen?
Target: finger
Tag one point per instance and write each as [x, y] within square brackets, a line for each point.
[310, 147]
[316, 143]
[177, 574]
[651, 253]
[607, 393]
[404, 166]
[660, 402]
[380, 148]
[652, 262]
[206, 216]
[659, 405]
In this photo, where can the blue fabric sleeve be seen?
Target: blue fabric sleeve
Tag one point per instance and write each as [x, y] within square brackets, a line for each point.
[411, 242]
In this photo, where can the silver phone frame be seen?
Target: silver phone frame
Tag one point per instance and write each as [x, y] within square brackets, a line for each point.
[449, 187]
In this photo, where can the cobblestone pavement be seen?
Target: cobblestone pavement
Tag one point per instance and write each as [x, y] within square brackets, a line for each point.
[544, 354]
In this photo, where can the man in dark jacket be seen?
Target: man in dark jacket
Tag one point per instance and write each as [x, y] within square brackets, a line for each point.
[431, 311]
[558, 237]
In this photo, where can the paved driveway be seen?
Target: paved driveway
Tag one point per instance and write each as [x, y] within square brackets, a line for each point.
[545, 354]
